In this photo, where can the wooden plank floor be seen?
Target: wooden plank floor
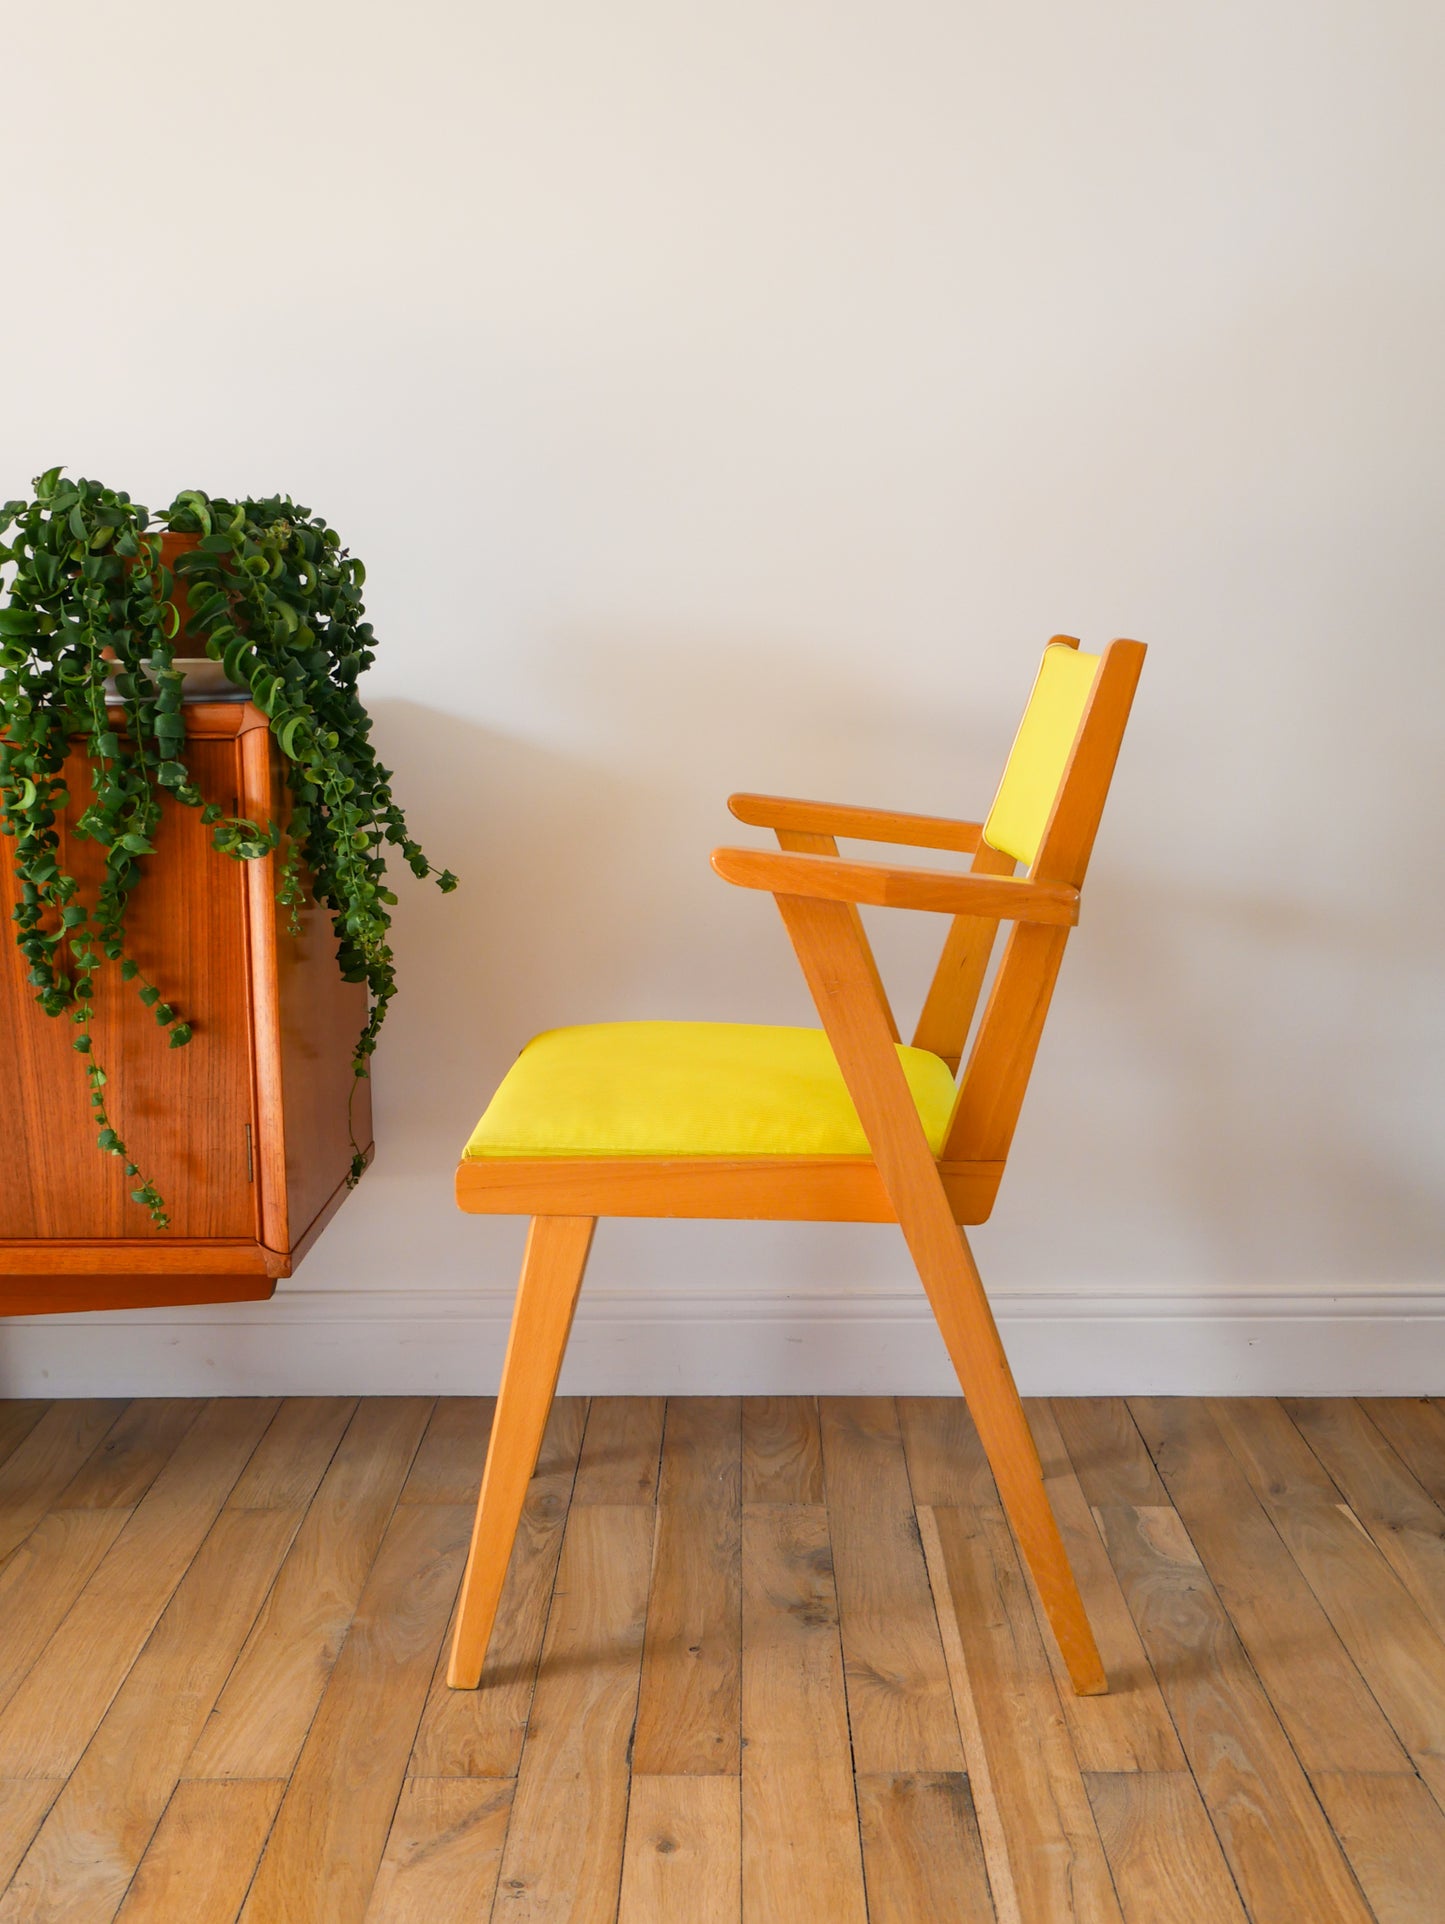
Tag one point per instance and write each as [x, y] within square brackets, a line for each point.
[769, 1659]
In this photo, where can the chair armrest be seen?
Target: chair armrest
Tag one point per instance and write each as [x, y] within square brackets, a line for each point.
[863, 824]
[1006, 897]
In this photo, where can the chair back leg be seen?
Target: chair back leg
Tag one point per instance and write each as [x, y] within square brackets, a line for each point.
[552, 1267]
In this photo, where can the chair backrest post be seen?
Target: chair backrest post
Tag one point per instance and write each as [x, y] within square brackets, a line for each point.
[992, 1090]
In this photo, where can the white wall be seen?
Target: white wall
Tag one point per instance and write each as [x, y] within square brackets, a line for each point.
[738, 395]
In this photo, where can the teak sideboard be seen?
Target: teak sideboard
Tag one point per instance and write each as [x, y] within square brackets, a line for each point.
[244, 1131]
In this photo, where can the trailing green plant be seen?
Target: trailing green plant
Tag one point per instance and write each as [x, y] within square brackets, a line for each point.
[277, 600]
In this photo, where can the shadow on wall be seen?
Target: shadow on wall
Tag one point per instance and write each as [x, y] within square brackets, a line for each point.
[528, 941]
[1221, 1098]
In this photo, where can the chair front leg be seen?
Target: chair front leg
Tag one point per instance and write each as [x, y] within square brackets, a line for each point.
[552, 1267]
[838, 977]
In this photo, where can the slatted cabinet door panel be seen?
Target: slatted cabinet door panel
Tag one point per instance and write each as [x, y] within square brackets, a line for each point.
[182, 1112]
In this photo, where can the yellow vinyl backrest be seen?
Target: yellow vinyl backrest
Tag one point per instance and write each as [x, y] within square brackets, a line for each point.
[1040, 753]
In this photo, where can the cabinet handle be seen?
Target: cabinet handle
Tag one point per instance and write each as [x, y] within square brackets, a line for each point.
[250, 1169]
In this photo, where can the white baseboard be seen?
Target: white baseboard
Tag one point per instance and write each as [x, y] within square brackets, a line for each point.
[1302, 1341]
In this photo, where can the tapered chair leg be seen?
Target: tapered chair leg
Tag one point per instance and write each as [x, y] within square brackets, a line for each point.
[838, 975]
[972, 1339]
[955, 1291]
[552, 1269]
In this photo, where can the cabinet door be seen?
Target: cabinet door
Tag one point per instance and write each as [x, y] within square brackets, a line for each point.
[186, 1113]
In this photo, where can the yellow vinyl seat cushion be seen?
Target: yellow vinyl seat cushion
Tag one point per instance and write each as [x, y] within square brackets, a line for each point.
[690, 1089]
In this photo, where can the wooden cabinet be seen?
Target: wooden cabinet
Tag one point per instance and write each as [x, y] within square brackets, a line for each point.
[244, 1131]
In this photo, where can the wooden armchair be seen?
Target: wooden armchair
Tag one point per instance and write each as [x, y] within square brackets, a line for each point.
[842, 1124]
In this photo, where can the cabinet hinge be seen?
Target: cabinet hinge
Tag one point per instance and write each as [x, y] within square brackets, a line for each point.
[250, 1167]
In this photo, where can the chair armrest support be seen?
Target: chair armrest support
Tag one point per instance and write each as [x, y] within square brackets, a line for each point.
[862, 824]
[1009, 898]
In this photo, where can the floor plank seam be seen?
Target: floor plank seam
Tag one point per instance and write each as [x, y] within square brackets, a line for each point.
[843, 1660]
[1329, 1614]
[164, 1605]
[363, 1579]
[302, 1511]
[1184, 1747]
[1259, 1681]
[1436, 1794]
[537, 1667]
[54, 1502]
[998, 1868]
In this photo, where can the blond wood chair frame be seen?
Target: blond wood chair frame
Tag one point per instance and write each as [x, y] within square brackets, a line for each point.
[931, 1198]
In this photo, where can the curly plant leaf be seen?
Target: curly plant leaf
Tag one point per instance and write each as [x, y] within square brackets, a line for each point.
[275, 597]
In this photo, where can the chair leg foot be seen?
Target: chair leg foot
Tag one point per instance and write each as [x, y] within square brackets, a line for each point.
[552, 1269]
[1003, 1428]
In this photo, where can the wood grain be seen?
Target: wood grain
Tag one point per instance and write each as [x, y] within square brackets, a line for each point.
[117, 1625]
[814, 1189]
[922, 1858]
[1318, 1694]
[132, 1454]
[319, 1106]
[689, 1701]
[1167, 1864]
[51, 1717]
[17, 1419]
[330, 1833]
[681, 1864]
[79, 1866]
[563, 1856]
[887, 885]
[900, 1710]
[620, 1451]
[1055, 1859]
[1407, 1525]
[1393, 1833]
[203, 1854]
[948, 1009]
[1129, 1728]
[181, 1111]
[782, 1450]
[41, 1580]
[449, 1464]
[443, 1852]
[479, 1733]
[38, 1470]
[1283, 1856]
[62, 1260]
[970, 1730]
[293, 1455]
[1376, 1619]
[1108, 1455]
[801, 1856]
[23, 1804]
[261, 1720]
[854, 823]
[806, 842]
[1414, 1427]
[245, 1130]
[552, 1267]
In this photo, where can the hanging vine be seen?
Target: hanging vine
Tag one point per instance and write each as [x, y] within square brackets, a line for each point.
[276, 600]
